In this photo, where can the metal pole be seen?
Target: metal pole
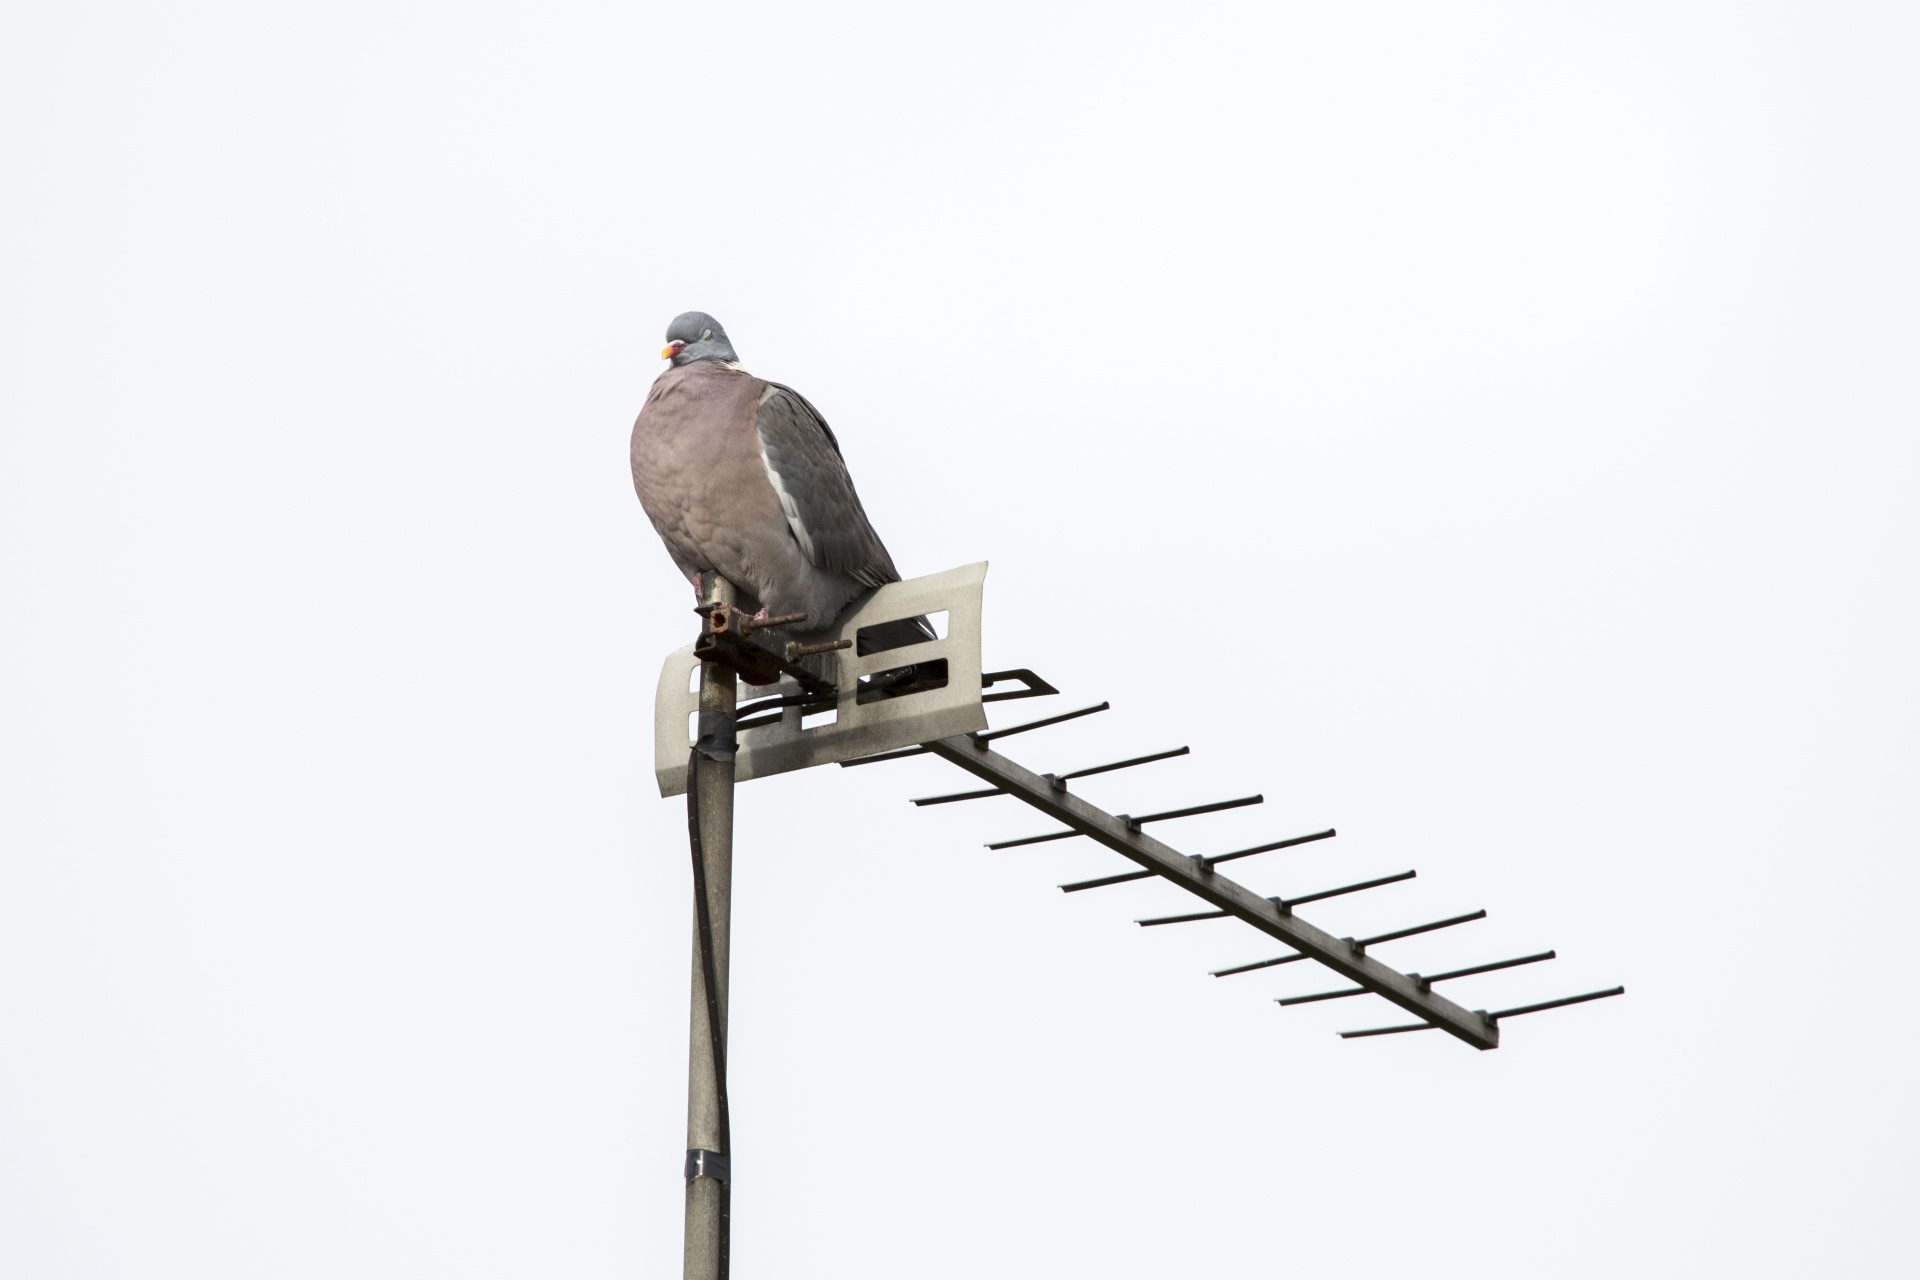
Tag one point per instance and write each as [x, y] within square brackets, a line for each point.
[710, 820]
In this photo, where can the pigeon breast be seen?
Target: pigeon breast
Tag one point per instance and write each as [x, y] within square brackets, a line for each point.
[743, 477]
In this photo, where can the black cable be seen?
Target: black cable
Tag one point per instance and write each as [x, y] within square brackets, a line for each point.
[709, 982]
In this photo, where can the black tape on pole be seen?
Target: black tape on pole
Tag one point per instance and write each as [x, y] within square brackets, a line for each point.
[717, 740]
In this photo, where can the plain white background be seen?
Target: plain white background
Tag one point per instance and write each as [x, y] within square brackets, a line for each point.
[1488, 429]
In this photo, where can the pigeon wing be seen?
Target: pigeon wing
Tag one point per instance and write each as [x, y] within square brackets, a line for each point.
[803, 461]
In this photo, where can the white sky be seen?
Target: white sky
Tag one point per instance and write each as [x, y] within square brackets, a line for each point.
[1535, 384]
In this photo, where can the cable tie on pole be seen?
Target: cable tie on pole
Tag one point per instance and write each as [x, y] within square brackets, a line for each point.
[702, 1163]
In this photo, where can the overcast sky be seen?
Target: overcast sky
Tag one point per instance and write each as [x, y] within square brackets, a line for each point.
[1487, 429]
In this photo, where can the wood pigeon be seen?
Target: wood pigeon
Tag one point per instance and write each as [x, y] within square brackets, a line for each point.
[743, 477]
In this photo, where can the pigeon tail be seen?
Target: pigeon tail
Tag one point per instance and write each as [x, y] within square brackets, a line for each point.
[894, 635]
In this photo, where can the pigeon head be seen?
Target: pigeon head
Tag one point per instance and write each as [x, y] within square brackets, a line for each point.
[695, 335]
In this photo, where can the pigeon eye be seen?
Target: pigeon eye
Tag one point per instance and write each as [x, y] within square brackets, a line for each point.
[705, 334]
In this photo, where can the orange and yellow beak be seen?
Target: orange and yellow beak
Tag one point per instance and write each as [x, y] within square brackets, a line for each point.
[673, 349]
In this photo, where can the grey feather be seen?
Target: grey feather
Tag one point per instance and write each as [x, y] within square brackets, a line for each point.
[811, 475]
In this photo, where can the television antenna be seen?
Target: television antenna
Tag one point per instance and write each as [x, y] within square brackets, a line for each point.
[826, 701]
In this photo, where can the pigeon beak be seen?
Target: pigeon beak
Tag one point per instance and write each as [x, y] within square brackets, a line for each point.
[672, 349]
